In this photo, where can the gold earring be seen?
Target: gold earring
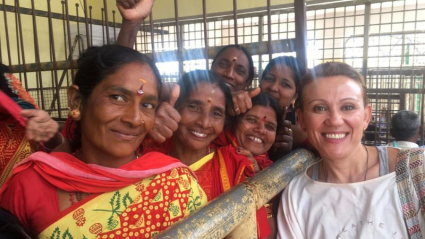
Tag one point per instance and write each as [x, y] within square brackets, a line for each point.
[143, 122]
[75, 114]
[293, 104]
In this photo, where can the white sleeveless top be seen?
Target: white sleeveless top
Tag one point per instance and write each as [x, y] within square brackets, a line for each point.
[317, 210]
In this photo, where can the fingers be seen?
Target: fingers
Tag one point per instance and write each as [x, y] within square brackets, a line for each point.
[123, 3]
[284, 130]
[28, 113]
[127, 4]
[175, 93]
[287, 124]
[241, 102]
[134, 10]
[39, 127]
[41, 132]
[254, 92]
[166, 122]
[242, 151]
[285, 110]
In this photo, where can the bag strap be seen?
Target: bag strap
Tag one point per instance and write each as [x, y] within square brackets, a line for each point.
[410, 172]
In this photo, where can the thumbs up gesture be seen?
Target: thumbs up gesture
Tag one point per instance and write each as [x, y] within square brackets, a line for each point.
[167, 118]
[284, 139]
[242, 100]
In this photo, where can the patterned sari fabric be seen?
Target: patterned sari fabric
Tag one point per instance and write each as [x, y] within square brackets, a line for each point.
[137, 200]
[14, 147]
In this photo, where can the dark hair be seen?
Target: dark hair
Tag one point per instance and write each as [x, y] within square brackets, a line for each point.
[247, 54]
[97, 63]
[404, 125]
[10, 227]
[330, 69]
[189, 81]
[288, 61]
[266, 100]
[3, 82]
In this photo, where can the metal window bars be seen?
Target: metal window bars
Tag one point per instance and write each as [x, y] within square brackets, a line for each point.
[384, 40]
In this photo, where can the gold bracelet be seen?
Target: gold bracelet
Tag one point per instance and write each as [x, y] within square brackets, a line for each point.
[269, 210]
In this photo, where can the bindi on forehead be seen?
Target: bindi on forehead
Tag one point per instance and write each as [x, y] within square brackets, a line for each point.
[140, 90]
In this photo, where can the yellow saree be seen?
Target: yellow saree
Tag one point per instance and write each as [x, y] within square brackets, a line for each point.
[140, 210]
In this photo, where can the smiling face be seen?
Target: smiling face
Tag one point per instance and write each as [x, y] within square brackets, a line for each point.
[115, 118]
[202, 117]
[233, 66]
[256, 129]
[279, 83]
[334, 117]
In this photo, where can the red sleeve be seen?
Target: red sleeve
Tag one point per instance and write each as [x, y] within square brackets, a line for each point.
[31, 199]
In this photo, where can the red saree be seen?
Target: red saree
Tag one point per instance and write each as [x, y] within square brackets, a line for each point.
[142, 197]
[230, 169]
[14, 146]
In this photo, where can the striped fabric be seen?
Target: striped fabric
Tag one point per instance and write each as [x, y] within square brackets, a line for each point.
[411, 188]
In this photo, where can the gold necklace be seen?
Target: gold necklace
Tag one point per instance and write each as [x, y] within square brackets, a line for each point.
[367, 166]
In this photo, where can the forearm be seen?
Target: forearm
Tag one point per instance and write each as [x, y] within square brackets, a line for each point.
[128, 33]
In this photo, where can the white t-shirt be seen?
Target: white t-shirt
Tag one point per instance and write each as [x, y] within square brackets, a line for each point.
[317, 210]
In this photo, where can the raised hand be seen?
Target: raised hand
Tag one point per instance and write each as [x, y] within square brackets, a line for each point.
[242, 100]
[242, 151]
[133, 10]
[284, 139]
[167, 118]
[40, 127]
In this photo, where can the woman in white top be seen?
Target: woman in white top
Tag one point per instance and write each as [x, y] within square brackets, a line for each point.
[352, 192]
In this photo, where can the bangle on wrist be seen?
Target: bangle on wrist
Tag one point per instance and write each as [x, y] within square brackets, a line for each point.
[62, 140]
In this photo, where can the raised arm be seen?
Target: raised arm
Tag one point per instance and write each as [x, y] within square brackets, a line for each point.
[133, 12]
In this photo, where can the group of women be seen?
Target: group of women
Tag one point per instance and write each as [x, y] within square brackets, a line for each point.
[134, 164]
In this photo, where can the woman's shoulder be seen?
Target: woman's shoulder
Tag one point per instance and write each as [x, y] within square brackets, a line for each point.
[298, 184]
[28, 181]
